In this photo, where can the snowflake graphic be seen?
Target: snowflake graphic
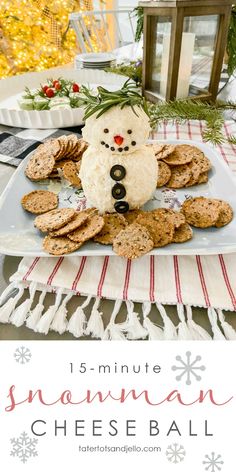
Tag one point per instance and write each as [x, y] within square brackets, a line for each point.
[22, 355]
[175, 453]
[23, 447]
[188, 368]
[213, 462]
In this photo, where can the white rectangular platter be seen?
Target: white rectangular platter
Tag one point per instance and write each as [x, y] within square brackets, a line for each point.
[18, 237]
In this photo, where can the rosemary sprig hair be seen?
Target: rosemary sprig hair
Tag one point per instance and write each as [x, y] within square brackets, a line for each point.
[105, 99]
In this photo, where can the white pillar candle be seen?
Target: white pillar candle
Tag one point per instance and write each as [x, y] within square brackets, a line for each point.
[185, 64]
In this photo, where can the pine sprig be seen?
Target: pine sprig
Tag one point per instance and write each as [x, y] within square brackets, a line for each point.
[231, 43]
[133, 70]
[232, 139]
[105, 99]
[138, 12]
[180, 111]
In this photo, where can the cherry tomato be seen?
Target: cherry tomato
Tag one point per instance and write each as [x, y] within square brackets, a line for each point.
[44, 88]
[56, 85]
[50, 92]
[75, 87]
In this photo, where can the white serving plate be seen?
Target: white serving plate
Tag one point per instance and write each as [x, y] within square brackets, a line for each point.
[12, 88]
[94, 58]
[18, 237]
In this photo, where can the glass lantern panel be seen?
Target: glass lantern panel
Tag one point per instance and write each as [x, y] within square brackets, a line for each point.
[159, 54]
[197, 53]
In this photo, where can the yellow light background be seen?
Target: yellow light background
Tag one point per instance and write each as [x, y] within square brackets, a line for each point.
[34, 34]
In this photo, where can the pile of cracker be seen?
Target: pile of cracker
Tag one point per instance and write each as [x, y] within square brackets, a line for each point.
[56, 157]
[132, 235]
[202, 212]
[180, 165]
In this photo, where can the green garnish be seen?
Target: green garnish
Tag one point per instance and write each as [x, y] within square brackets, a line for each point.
[106, 99]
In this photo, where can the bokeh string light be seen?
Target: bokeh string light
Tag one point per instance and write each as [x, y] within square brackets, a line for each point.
[34, 34]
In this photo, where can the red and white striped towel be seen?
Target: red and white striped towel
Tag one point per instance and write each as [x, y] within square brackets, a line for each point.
[185, 281]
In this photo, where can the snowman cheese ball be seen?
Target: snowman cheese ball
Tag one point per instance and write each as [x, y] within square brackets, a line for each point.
[118, 172]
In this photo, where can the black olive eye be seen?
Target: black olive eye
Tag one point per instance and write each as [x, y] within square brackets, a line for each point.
[106, 130]
[129, 131]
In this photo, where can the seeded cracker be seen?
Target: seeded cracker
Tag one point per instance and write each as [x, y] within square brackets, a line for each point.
[164, 174]
[201, 212]
[166, 151]
[88, 230]
[132, 242]
[80, 148]
[70, 173]
[157, 148]
[161, 230]
[186, 149]
[77, 221]
[132, 215]
[176, 158]
[203, 178]
[174, 217]
[54, 219]
[226, 214]
[60, 246]
[203, 162]
[180, 176]
[182, 234]
[114, 223]
[40, 165]
[63, 143]
[39, 201]
[195, 173]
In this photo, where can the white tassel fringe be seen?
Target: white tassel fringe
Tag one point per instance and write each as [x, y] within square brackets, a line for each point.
[115, 331]
[185, 331]
[134, 328]
[55, 318]
[217, 334]
[59, 322]
[155, 333]
[77, 322]
[169, 330]
[95, 324]
[20, 314]
[8, 307]
[229, 331]
[36, 313]
[199, 333]
[12, 287]
[44, 323]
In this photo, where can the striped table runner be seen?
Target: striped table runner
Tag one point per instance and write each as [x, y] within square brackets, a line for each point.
[184, 281]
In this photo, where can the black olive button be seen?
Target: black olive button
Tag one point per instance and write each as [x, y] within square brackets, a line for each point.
[117, 172]
[118, 191]
[121, 207]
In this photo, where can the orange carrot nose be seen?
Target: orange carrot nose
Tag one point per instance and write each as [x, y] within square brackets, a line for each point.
[118, 139]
